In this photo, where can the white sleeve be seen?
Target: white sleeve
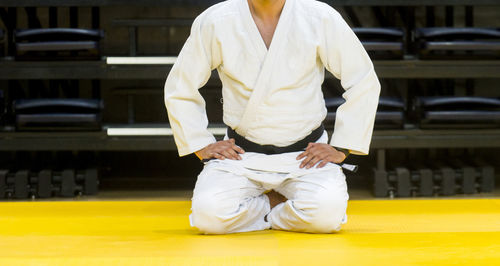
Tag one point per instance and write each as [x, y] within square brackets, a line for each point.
[345, 57]
[185, 105]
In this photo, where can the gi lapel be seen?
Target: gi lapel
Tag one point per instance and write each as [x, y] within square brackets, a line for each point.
[262, 83]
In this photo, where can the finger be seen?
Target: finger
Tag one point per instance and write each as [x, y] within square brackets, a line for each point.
[310, 145]
[322, 164]
[317, 158]
[314, 151]
[306, 161]
[222, 147]
[218, 156]
[232, 141]
[228, 155]
[302, 155]
[238, 149]
[312, 148]
[233, 155]
[313, 162]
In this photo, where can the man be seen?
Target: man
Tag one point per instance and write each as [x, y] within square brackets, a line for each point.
[271, 56]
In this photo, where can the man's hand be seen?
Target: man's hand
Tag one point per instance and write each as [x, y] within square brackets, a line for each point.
[221, 150]
[320, 152]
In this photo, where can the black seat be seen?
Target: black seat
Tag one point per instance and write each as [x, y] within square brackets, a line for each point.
[2, 43]
[459, 42]
[2, 108]
[66, 34]
[57, 44]
[382, 43]
[390, 112]
[331, 106]
[58, 114]
[458, 112]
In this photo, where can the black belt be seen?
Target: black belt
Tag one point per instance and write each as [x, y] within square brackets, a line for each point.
[250, 146]
[300, 145]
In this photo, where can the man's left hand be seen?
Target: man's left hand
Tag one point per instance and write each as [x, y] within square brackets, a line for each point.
[322, 153]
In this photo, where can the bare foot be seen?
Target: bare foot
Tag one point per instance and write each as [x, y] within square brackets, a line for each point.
[275, 198]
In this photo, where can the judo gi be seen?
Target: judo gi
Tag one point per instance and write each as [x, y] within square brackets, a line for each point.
[271, 97]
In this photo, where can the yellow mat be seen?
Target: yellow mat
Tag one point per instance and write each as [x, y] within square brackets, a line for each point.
[398, 232]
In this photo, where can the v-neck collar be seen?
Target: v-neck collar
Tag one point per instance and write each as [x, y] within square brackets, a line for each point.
[269, 58]
[253, 30]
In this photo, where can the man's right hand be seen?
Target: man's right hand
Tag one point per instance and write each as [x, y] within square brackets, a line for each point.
[221, 150]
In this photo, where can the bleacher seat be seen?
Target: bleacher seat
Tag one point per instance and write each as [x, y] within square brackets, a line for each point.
[57, 44]
[2, 108]
[382, 43]
[58, 114]
[2, 43]
[459, 43]
[390, 112]
[331, 106]
[458, 112]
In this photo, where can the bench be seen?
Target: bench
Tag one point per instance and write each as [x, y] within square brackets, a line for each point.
[458, 112]
[70, 114]
[459, 43]
[58, 44]
[382, 43]
[390, 112]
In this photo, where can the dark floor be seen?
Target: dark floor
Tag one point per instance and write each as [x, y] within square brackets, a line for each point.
[163, 175]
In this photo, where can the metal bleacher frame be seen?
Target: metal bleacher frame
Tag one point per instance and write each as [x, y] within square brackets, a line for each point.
[141, 137]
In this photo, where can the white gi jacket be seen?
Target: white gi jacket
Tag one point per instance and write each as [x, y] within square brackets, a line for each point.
[272, 96]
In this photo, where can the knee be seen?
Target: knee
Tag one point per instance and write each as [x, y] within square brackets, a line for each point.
[208, 203]
[207, 214]
[330, 213]
[325, 212]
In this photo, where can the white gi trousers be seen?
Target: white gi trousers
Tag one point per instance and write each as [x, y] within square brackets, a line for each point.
[228, 195]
